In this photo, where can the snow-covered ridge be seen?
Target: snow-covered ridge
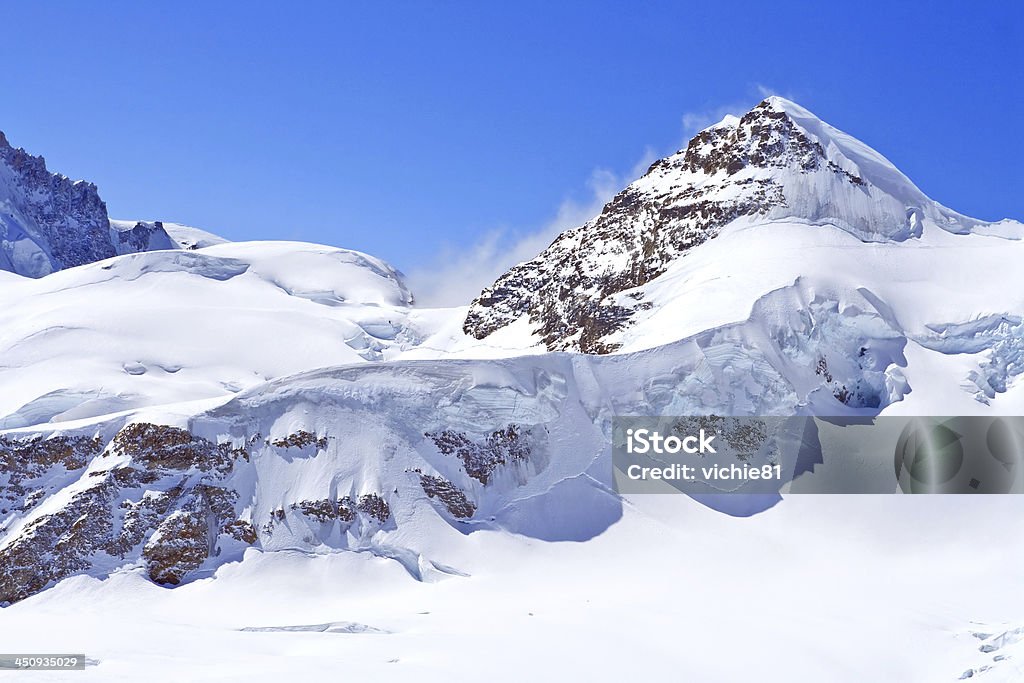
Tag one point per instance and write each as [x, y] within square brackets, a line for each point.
[49, 222]
[777, 163]
[190, 407]
[164, 327]
[135, 236]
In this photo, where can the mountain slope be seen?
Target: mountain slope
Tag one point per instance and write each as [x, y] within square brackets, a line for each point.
[771, 268]
[164, 327]
[378, 457]
[49, 222]
[278, 416]
[369, 457]
[777, 163]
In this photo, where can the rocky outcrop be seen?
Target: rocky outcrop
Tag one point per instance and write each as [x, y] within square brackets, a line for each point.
[49, 222]
[584, 287]
[162, 504]
[174, 504]
[140, 237]
[27, 466]
[451, 496]
[480, 459]
[301, 439]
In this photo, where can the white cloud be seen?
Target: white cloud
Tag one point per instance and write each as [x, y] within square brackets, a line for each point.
[459, 274]
[697, 120]
[767, 91]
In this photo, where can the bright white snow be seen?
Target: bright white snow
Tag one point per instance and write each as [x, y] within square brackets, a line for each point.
[171, 326]
[822, 588]
[291, 336]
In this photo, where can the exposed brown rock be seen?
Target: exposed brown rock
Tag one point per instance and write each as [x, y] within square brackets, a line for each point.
[173, 448]
[568, 292]
[301, 439]
[24, 463]
[180, 545]
[454, 499]
[164, 506]
[501, 447]
[374, 506]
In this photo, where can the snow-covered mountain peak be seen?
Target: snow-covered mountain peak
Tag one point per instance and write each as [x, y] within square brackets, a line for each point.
[816, 172]
[777, 164]
[49, 222]
[849, 153]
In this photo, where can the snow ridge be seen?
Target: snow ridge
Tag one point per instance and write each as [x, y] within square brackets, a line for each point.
[49, 222]
[778, 162]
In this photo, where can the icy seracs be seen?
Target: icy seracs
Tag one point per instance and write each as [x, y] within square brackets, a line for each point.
[167, 412]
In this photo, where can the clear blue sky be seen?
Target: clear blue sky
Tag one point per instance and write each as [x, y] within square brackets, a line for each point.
[396, 127]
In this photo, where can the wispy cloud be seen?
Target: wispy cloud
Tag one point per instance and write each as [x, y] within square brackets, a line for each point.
[768, 91]
[696, 121]
[459, 274]
[699, 119]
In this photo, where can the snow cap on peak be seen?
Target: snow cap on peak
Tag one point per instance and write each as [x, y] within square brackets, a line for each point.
[776, 103]
[728, 121]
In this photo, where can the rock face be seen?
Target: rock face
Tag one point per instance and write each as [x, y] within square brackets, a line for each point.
[152, 493]
[501, 447]
[172, 502]
[49, 222]
[352, 474]
[141, 237]
[776, 162]
[165, 499]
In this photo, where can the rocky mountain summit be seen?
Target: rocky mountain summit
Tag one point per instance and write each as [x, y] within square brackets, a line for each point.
[776, 162]
[49, 222]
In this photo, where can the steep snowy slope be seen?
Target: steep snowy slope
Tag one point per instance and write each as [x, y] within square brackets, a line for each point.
[164, 327]
[371, 457]
[820, 295]
[776, 168]
[375, 457]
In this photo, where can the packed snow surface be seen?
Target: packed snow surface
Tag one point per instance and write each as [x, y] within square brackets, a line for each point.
[486, 529]
[821, 588]
[172, 326]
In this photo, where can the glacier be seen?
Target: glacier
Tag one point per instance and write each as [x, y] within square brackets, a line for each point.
[280, 435]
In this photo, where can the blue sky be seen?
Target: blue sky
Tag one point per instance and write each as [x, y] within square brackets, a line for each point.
[425, 131]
